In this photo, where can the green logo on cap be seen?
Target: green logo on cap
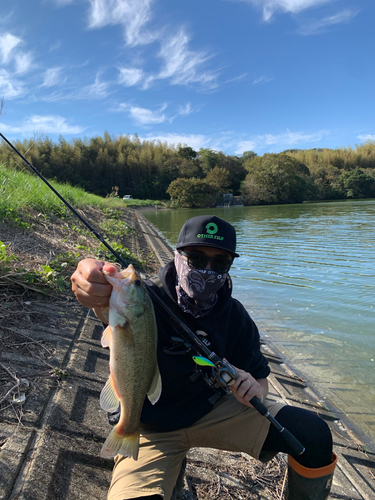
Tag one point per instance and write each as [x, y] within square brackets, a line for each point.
[212, 228]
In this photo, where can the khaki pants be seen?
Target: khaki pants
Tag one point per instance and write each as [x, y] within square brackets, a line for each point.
[229, 426]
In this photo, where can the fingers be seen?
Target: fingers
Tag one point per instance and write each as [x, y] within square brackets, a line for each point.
[245, 388]
[90, 285]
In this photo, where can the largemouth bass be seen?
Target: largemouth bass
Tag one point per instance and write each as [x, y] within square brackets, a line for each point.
[134, 373]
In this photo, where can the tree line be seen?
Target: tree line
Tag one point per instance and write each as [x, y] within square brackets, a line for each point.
[155, 170]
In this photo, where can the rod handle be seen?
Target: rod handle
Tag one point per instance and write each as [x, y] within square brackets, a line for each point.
[292, 441]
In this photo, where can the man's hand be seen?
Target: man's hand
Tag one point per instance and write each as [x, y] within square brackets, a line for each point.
[246, 387]
[90, 286]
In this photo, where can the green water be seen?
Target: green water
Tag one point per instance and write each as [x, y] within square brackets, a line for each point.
[306, 274]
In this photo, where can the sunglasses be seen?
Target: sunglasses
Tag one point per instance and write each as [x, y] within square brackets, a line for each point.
[220, 264]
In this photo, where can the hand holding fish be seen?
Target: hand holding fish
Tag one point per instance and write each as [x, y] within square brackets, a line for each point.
[90, 286]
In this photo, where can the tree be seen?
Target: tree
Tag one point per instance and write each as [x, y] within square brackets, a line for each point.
[208, 159]
[357, 184]
[191, 193]
[187, 152]
[248, 155]
[275, 178]
[218, 179]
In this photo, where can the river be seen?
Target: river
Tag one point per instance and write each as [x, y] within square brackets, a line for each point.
[306, 274]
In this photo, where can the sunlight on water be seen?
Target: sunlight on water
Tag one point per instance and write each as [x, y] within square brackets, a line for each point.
[307, 274]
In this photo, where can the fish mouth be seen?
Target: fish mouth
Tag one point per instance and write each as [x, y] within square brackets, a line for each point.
[129, 274]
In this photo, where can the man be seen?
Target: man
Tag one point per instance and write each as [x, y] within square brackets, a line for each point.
[190, 413]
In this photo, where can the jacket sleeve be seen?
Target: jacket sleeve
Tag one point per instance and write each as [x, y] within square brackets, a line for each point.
[246, 353]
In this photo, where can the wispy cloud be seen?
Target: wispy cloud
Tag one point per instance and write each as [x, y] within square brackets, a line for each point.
[366, 137]
[8, 43]
[130, 76]
[62, 3]
[195, 141]
[48, 124]
[52, 77]
[55, 46]
[281, 141]
[10, 88]
[262, 79]
[144, 116]
[185, 110]
[23, 62]
[320, 26]
[133, 15]
[270, 7]
[182, 65]
[97, 90]
[236, 78]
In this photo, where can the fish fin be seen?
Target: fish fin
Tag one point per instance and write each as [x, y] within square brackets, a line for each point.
[106, 337]
[116, 443]
[155, 387]
[108, 397]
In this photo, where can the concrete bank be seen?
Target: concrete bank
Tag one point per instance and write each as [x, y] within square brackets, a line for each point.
[52, 452]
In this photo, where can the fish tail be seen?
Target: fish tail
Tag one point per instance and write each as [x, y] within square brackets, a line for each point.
[119, 443]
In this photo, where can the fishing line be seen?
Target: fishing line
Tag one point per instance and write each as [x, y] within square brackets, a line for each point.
[222, 370]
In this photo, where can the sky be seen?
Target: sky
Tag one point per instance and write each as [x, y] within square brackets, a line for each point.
[232, 75]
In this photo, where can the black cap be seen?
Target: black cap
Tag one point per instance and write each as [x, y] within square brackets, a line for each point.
[208, 231]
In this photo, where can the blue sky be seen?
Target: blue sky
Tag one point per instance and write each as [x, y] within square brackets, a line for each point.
[233, 75]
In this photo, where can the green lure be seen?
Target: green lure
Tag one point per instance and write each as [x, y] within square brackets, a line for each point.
[202, 361]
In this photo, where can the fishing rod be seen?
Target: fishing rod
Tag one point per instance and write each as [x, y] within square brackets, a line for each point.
[223, 372]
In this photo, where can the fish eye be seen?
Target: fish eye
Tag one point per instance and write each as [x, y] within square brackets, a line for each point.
[137, 282]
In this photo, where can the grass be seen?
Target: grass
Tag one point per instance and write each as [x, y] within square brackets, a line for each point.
[145, 203]
[26, 202]
[20, 189]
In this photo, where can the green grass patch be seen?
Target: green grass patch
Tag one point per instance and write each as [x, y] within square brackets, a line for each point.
[20, 190]
[145, 203]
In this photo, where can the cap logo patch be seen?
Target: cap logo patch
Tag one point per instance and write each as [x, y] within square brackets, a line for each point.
[211, 229]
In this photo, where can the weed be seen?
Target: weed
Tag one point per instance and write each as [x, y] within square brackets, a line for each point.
[104, 254]
[115, 228]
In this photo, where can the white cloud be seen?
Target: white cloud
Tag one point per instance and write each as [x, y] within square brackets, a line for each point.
[130, 76]
[97, 90]
[10, 88]
[185, 110]
[192, 140]
[366, 137]
[236, 78]
[293, 6]
[318, 26]
[133, 15]
[51, 77]
[283, 140]
[262, 79]
[48, 124]
[8, 43]
[184, 66]
[23, 62]
[145, 116]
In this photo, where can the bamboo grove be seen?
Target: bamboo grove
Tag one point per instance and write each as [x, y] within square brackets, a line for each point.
[154, 170]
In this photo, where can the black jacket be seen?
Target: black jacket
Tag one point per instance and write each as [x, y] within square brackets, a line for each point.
[233, 335]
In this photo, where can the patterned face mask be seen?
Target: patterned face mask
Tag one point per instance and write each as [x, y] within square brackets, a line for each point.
[198, 284]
